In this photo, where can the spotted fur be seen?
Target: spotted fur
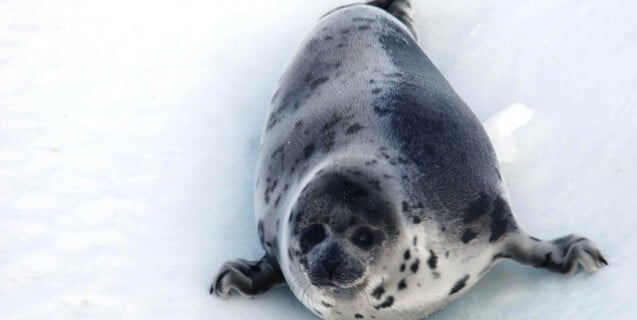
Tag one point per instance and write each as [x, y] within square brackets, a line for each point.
[361, 118]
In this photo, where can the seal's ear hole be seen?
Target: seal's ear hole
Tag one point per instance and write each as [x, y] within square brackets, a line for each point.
[363, 238]
[311, 236]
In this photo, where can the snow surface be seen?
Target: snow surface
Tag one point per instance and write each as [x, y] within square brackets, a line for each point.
[129, 129]
[501, 128]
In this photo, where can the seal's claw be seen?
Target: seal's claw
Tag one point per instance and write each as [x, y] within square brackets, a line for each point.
[248, 278]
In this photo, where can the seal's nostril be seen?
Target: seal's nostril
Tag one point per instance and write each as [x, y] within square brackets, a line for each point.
[331, 268]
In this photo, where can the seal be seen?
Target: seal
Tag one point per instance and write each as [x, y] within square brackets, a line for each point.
[378, 194]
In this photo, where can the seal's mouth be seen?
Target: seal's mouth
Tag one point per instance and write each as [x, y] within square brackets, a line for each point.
[342, 288]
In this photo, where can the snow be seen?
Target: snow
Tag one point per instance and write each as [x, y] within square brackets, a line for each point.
[501, 128]
[129, 129]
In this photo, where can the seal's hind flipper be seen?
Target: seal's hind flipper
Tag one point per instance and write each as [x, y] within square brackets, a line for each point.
[562, 255]
[401, 9]
[249, 278]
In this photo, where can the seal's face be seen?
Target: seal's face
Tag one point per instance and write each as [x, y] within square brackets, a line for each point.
[338, 248]
[342, 228]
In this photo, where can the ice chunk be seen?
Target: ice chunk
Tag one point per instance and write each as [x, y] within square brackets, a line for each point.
[501, 128]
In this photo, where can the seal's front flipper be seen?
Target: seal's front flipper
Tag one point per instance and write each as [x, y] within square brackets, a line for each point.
[249, 278]
[562, 255]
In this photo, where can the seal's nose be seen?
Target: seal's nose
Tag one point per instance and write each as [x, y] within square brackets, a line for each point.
[332, 260]
[325, 266]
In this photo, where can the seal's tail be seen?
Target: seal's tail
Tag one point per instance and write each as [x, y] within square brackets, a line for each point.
[400, 9]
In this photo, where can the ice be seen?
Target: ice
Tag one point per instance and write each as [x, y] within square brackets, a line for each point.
[501, 126]
[129, 132]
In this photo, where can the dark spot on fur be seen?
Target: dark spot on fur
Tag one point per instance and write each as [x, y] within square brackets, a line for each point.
[291, 217]
[405, 206]
[500, 219]
[363, 19]
[308, 77]
[372, 81]
[459, 285]
[327, 305]
[270, 186]
[328, 38]
[275, 95]
[308, 150]
[358, 316]
[407, 254]
[327, 140]
[402, 284]
[277, 151]
[477, 208]
[364, 28]
[260, 230]
[414, 266]
[276, 202]
[393, 75]
[382, 111]
[402, 267]
[272, 120]
[416, 219]
[415, 241]
[317, 82]
[433, 260]
[333, 121]
[389, 301]
[376, 91]
[378, 292]
[468, 235]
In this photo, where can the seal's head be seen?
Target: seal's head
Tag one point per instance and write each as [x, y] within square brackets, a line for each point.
[341, 228]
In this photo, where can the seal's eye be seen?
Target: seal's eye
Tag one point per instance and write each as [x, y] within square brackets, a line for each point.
[312, 236]
[363, 237]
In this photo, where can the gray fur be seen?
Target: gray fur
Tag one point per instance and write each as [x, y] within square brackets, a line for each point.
[378, 193]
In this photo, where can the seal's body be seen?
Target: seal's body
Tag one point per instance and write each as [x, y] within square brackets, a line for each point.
[378, 193]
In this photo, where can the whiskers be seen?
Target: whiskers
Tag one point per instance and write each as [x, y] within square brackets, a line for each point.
[303, 289]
